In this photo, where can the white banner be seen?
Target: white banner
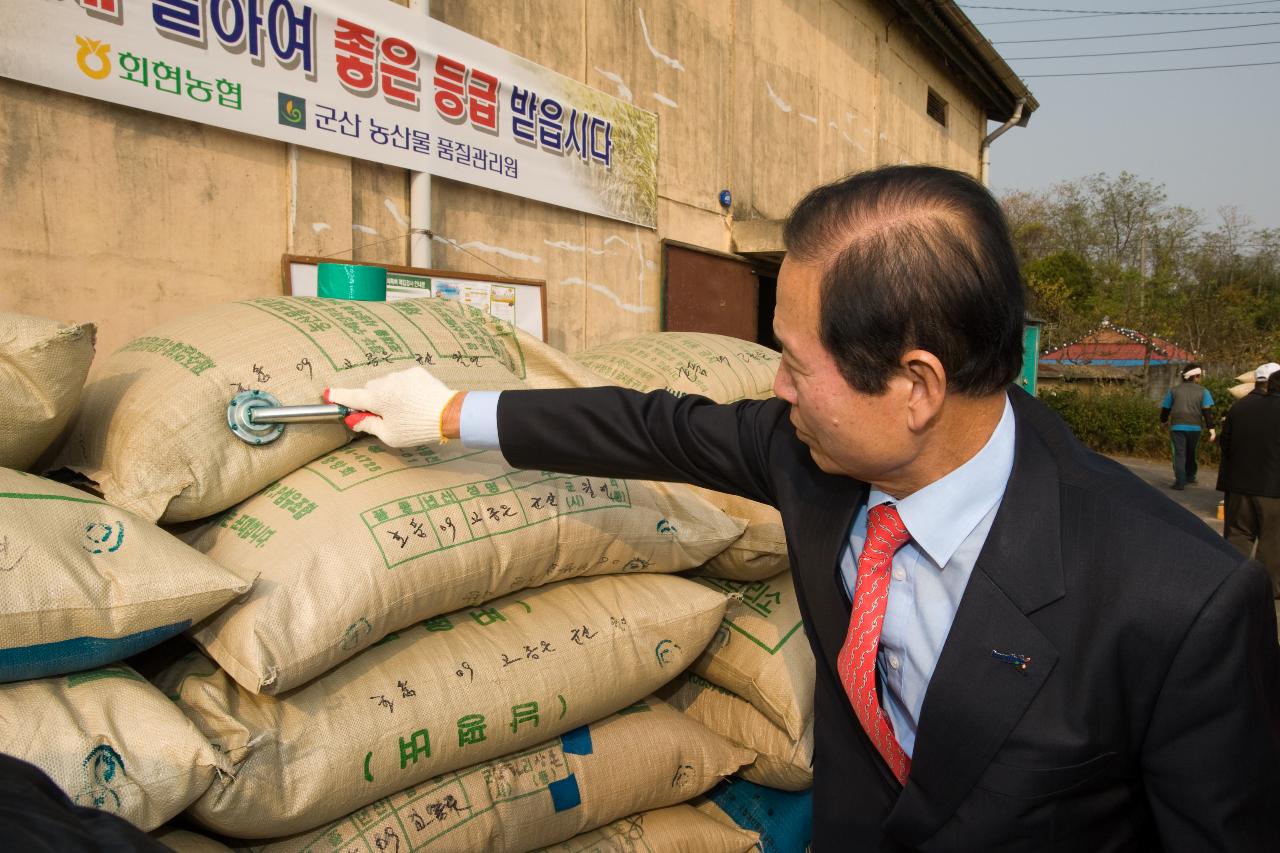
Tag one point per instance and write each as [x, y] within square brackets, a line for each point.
[368, 80]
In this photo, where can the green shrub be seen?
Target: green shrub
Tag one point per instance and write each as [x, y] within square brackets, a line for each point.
[1220, 390]
[1126, 422]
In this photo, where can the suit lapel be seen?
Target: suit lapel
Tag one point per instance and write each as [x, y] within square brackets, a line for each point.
[827, 525]
[975, 699]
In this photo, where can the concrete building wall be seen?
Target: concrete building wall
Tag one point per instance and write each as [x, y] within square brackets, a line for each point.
[127, 218]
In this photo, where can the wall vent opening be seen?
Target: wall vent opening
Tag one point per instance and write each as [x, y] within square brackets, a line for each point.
[936, 107]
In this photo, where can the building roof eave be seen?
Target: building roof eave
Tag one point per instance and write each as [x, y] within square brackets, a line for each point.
[951, 32]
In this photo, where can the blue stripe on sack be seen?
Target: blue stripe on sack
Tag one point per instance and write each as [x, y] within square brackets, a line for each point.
[45, 659]
[784, 819]
[565, 794]
[577, 741]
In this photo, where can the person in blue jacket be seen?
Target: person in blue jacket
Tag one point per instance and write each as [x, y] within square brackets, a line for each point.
[1184, 407]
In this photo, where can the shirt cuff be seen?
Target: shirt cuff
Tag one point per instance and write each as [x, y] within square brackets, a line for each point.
[478, 421]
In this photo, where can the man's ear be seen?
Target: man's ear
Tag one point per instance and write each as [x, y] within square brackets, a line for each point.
[928, 390]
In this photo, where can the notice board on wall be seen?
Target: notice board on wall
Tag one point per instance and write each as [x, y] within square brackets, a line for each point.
[520, 301]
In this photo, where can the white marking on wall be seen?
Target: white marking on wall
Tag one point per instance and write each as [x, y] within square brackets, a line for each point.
[665, 101]
[566, 246]
[616, 79]
[638, 248]
[777, 100]
[498, 250]
[394, 210]
[644, 28]
[884, 137]
[643, 261]
[847, 137]
[319, 226]
[811, 119]
[613, 297]
[364, 229]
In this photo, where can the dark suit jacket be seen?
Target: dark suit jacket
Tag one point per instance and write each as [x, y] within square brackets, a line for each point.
[1250, 443]
[1149, 716]
[37, 817]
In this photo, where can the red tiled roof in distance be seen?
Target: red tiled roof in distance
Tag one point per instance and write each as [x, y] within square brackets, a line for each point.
[1114, 344]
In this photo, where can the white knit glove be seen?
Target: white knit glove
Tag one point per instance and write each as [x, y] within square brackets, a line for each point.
[401, 409]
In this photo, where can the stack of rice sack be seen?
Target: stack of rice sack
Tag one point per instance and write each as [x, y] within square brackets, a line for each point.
[43, 365]
[723, 369]
[683, 828]
[439, 652]
[83, 584]
[754, 683]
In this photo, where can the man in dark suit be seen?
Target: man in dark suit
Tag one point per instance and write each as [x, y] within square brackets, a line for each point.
[1020, 646]
[1250, 472]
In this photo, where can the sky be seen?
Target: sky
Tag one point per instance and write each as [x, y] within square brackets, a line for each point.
[1211, 137]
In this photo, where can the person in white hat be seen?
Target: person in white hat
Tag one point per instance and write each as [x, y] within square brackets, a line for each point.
[1183, 408]
[1250, 473]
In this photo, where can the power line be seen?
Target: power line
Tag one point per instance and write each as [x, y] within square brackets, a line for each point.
[1153, 70]
[1139, 52]
[1137, 35]
[1117, 12]
[1083, 16]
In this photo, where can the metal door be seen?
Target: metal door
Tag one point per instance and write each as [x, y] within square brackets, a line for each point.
[709, 292]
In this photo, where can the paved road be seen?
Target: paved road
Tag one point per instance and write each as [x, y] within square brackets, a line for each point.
[1201, 498]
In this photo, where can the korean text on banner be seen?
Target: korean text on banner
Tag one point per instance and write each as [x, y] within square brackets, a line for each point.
[372, 81]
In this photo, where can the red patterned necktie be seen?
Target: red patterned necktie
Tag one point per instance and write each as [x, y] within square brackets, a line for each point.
[857, 661]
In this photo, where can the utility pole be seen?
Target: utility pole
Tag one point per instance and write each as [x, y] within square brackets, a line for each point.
[1142, 279]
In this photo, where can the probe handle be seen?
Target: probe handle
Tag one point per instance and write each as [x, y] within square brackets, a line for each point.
[297, 414]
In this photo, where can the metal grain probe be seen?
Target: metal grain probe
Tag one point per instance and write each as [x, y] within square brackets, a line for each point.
[257, 418]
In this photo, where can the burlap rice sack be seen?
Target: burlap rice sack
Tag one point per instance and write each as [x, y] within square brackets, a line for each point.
[644, 757]
[724, 369]
[185, 841]
[761, 652]
[83, 583]
[366, 540]
[783, 819]
[111, 741]
[152, 427]
[452, 692]
[716, 366]
[43, 364]
[760, 553]
[677, 829]
[781, 762]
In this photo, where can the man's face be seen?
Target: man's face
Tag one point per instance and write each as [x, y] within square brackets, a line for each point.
[859, 435]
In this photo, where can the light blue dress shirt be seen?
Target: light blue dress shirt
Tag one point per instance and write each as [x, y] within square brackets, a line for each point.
[948, 520]
[478, 420]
